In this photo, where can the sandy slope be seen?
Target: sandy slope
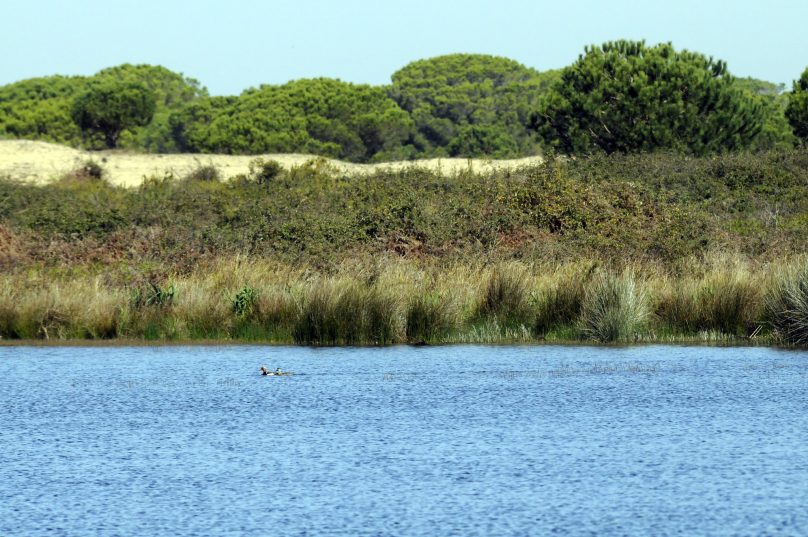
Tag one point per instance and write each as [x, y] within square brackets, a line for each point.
[42, 162]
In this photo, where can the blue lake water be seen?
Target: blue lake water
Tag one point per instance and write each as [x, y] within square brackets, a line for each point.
[459, 440]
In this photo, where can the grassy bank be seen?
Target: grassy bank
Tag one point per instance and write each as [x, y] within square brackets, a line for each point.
[625, 248]
[396, 301]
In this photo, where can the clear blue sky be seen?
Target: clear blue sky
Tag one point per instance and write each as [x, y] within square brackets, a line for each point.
[231, 45]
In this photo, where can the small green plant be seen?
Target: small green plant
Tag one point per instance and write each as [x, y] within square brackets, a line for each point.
[90, 170]
[153, 294]
[264, 171]
[244, 302]
[207, 172]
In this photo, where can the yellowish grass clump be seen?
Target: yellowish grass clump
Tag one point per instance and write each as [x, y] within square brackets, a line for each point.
[385, 301]
[60, 310]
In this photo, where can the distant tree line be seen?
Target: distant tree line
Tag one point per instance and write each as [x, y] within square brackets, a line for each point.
[622, 96]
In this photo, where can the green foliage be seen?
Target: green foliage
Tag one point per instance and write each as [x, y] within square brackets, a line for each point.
[264, 171]
[171, 91]
[153, 294]
[625, 96]
[775, 132]
[322, 116]
[797, 111]
[470, 104]
[108, 108]
[662, 207]
[245, 301]
[615, 308]
[621, 97]
[40, 108]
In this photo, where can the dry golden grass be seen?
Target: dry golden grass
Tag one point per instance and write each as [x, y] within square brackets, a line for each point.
[389, 300]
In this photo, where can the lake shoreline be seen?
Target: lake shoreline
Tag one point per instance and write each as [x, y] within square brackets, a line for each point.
[127, 342]
[402, 303]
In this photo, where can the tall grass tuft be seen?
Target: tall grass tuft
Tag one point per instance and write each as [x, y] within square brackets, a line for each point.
[560, 301]
[429, 318]
[507, 296]
[275, 314]
[317, 323]
[725, 300]
[200, 311]
[73, 310]
[9, 314]
[615, 308]
[348, 312]
[787, 305]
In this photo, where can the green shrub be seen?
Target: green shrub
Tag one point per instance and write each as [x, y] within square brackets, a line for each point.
[560, 305]
[153, 294]
[264, 171]
[244, 302]
[787, 305]
[429, 318]
[507, 296]
[615, 308]
[207, 172]
[91, 170]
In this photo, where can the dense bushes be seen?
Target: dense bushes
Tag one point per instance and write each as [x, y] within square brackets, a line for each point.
[470, 104]
[320, 116]
[620, 97]
[797, 111]
[625, 96]
[40, 108]
[108, 108]
[645, 207]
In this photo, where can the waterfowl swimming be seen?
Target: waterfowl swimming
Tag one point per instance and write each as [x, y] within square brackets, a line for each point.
[277, 373]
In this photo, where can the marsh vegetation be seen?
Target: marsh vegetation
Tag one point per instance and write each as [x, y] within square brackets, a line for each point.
[609, 248]
[400, 301]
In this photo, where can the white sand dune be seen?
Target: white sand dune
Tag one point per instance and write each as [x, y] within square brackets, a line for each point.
[42, 162]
